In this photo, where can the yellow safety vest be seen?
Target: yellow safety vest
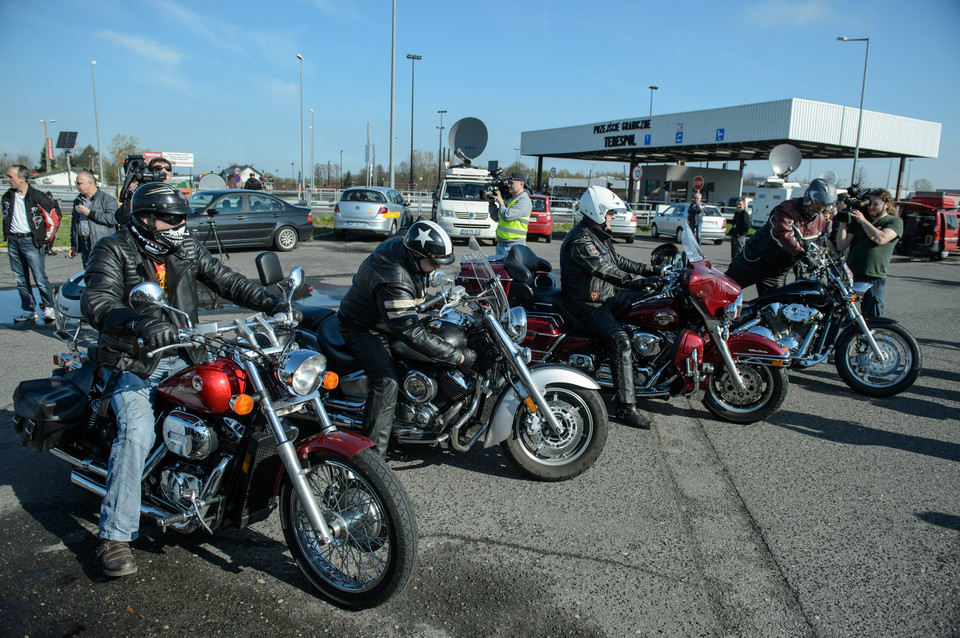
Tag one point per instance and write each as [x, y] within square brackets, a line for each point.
[513, 230]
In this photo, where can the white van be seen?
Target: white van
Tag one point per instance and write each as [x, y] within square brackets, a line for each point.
[461, 207]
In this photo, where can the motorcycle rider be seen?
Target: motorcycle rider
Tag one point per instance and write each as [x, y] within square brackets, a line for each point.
[381, 306]
[153, 247]
[596, 284]
[772, 251]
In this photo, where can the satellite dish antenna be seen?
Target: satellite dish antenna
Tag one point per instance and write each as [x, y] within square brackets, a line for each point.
[468, 138]
[211, 182]
[784, 159]
[829, 176]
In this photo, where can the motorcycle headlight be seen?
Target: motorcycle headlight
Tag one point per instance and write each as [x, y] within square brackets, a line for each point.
[301, 371]
[859, 289]
[514, 321]
[732, 312]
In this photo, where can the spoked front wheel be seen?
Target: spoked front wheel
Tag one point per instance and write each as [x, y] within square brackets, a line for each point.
[546, 455]
[374, 549]
[764, 391]
[891, 374]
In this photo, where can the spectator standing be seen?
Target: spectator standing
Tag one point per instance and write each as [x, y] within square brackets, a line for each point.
[514, 215]
[24, 230]
[740, 228]
[871, 236]
[253, 184]
[695, 217]
[94, 217]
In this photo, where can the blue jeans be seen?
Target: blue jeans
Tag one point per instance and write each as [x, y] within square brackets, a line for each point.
[83, 247]
[872, 304]
[133, 404]
[27, 259]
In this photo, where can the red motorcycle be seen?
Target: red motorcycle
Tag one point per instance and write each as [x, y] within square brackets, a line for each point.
[682, 345]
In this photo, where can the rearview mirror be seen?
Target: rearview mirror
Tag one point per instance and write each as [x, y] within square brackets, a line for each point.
[147, 297]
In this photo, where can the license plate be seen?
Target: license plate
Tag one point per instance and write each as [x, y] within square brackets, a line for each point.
[469, 231]
[356, 224]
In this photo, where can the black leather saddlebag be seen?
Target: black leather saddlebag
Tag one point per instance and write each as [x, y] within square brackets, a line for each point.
[46, 408]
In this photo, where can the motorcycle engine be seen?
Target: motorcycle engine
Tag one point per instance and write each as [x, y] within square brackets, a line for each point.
[179, 486]
[425, 398]
[787, 325]
[188, 435]
[646, 345]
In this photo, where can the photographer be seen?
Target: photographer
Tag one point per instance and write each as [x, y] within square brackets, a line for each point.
[158, 170]
[870, 230]
[514, 214]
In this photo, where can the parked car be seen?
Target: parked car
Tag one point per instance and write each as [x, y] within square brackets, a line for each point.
[624, 225]
[541, 220]
[370, 210]
[672, 220]
[930, 227]
[248, 219]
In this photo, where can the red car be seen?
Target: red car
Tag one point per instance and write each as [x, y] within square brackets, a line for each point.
[930, 227]
[541, 220]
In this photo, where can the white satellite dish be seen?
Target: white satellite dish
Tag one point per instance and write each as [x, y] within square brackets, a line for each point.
[468, 138]
[784, 159]
[829, 176]
[211, 182]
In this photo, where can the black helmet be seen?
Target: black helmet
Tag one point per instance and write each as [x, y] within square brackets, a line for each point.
[426, 239]
[157, 200]
[821, 191]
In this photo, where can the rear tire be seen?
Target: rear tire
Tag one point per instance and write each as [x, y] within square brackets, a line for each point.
[547, 456]
[717, 241]
[548, 237]
[374, 553]
[631, 238]
[860, 370]
[339, 235]
[679, 234]
[286, 239]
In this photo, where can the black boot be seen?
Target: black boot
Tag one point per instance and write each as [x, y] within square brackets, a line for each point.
[117, 559]
[630, 415]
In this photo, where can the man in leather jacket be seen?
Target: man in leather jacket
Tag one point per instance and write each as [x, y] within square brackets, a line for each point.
[596, 284]
[381, 306]
[772, 251]
[153, 247]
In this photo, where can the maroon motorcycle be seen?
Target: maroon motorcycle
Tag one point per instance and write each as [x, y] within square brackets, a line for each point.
[682, 345]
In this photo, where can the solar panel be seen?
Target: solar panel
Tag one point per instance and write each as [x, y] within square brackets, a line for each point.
[67, 139]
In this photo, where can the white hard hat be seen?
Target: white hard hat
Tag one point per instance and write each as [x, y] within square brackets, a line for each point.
[595, 203]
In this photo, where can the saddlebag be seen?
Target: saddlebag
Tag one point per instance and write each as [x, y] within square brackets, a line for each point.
[46, 408]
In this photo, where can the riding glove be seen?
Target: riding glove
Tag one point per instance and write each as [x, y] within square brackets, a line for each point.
[156, 333]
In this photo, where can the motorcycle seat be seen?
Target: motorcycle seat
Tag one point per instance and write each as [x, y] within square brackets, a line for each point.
[320, 331]
[522, 264]
[62, 398]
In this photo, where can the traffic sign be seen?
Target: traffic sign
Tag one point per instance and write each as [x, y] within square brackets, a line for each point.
[637, 173]
[553, 172]
[697, 182]
[236, 171]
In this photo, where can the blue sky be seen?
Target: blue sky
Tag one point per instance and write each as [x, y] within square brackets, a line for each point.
[221, 80]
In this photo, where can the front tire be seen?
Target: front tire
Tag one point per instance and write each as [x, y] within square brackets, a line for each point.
[286, 239]
[679, 234]
[765, 391]
[545, 455]
[860, 369]
[654, 232]
[374, 550]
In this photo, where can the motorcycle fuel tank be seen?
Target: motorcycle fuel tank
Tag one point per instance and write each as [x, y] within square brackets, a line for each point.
[806, 291]
[449, 332]
[206, 388]
[657, 314]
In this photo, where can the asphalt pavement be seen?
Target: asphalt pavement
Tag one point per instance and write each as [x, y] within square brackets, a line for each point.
[837, 516]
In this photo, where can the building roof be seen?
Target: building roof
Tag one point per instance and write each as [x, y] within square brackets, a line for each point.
[747, 132]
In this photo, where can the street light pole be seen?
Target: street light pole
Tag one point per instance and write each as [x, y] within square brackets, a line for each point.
[46, 152]
[440, 151]
[652, 89]
[413, 63]
[300, 183]
[96, 118]
[313, 169]
[863, 86]
[341, 169]
[393, 76]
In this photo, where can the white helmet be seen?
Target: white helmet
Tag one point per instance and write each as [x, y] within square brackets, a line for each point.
[595, 203]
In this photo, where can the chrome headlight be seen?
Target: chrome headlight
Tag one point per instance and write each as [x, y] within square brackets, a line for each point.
[514, 321]
[859, 289]
[732, 313]
[301, 371]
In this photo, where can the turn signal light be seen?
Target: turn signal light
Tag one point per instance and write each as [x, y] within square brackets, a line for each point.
[330, 380]
[242, 404]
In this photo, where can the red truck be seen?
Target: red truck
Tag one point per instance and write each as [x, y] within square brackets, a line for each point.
[930, 227]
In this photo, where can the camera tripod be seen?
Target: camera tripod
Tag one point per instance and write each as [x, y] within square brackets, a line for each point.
[221, 252]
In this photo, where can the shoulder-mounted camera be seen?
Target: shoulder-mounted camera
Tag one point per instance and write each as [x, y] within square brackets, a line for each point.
[135, 169]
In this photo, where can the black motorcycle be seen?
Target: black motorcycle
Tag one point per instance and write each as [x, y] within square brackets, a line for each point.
[819, 314]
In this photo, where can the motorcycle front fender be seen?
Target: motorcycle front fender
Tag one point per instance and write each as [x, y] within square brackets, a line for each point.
[501, 419]
[341, 442]
[748, 346]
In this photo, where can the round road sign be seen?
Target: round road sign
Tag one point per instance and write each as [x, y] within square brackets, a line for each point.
[236, 170]
[553, 172]
[697, 183]
[637, 173]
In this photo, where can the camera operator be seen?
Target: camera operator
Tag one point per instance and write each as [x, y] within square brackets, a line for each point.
[870, 230]
[514, 214]
[772, 251]
[162, 171]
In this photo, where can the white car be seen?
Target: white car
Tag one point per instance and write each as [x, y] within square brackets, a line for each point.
[624, 225]
[670, 223]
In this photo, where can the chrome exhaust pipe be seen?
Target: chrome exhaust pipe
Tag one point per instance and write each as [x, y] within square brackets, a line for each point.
[87, 465]
[91, 486]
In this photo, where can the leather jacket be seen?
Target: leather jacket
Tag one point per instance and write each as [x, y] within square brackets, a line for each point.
[775, 243]
[590, 268]
[118, 263]
[384, 296]
[32, 201]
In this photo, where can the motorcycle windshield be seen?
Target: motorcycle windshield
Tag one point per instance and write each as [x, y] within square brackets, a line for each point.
[490, 283]
[690, 245]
